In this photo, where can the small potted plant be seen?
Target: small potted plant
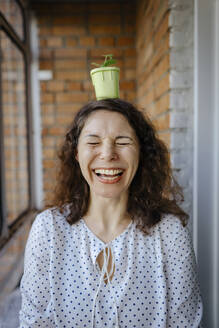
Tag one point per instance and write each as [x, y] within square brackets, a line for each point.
[105, 79]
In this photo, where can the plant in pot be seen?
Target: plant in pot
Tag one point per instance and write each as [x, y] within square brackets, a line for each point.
[105, 79]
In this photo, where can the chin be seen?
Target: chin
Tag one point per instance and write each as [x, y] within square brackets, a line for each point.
[108, 193]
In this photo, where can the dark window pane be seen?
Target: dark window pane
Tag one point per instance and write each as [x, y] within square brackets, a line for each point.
[14, 128]
[13, 14]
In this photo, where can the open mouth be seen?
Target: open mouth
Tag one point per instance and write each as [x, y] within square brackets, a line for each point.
[113, 175]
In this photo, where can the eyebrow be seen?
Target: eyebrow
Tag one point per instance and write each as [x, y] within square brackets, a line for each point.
[96, 136]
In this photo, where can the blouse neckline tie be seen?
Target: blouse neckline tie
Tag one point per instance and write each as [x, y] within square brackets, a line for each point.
[104, 271]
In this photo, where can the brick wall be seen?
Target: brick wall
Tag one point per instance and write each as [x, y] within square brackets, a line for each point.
[14, 129]
[153, 63]
[164, 75]
[146, 41]
[181, 24]
[71, 37]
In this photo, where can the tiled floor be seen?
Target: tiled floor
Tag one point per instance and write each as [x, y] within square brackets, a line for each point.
[9, 310]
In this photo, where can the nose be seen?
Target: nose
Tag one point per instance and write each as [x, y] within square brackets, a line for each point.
[108, 151]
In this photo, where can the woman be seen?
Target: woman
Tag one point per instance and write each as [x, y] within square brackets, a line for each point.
[113, 251]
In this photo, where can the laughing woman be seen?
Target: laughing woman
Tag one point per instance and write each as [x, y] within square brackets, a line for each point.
[114, 249]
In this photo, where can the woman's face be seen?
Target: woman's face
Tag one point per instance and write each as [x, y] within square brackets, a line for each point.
[108, 153]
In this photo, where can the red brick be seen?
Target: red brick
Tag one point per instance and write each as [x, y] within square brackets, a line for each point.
[55, 86]
[160, 13]
[68, 20]
[68, 30]
[104, 7]
[161, 51]
[162, 67]
[104, 18]
[129, 7]
[64, 119]
[127, 85]
[64, 7]
[71, 42]
[129, 28]
[48, 163]
[162, 104]
[45, 64]
[54, 42]
[70, 64]
[72, 76]
[43, 86]
[42, 43]
[165, 137]
[69, 53]
[155, 8]
[49, 174]
[145, 54]
[146, 84]
[87, 41]
[130, 52]
[148, 98]
[48, 120]
[87, 86]
[130, 18]
[106, 41]
[125, 41]
[47, 109]
[45, 31]
[162, 86]
[104, 29]
[57, 131]
[48, 184]
[43, 20]
[162, 30]
[162, 122]
[130, 96]
[130, 74]
[101, 52]
[46, 98]
[69, 108]
[130, 62]
[48, 141]
[71, 97]
[48, 153]
[74, 86]
[46, 54]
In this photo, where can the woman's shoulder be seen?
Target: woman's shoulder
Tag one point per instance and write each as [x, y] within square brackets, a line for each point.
[51, 217]
[169, 230]
[170, 224]
[54, 220]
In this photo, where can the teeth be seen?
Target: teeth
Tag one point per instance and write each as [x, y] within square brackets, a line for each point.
[108, 172]
[109, 178]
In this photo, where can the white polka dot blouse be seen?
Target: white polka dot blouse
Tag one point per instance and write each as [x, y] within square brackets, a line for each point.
[154, 282]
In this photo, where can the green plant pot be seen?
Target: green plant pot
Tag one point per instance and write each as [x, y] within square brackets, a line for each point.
[106, 82]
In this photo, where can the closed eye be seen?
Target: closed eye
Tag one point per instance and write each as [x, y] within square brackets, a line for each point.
[93, 143]
[123, 143]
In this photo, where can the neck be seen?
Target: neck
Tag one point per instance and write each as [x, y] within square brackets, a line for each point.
[107, 213]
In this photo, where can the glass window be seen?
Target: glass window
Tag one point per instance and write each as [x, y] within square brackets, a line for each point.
[14, 128]
[13, 13]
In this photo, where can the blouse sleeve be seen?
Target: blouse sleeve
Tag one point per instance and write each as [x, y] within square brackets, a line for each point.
[183, 292]
[36, 307]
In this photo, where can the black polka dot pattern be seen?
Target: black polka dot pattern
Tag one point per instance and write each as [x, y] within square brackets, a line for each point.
[154, 285]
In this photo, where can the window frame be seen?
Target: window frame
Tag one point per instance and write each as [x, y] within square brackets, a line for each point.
[7, 231]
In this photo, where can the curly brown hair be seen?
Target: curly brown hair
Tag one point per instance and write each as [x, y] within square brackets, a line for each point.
[153, 191]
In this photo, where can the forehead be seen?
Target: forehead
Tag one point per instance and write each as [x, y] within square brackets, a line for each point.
[107, 121]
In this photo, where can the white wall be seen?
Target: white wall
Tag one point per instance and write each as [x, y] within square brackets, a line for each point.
[194, 107]
[206, 146]
[181, 23]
